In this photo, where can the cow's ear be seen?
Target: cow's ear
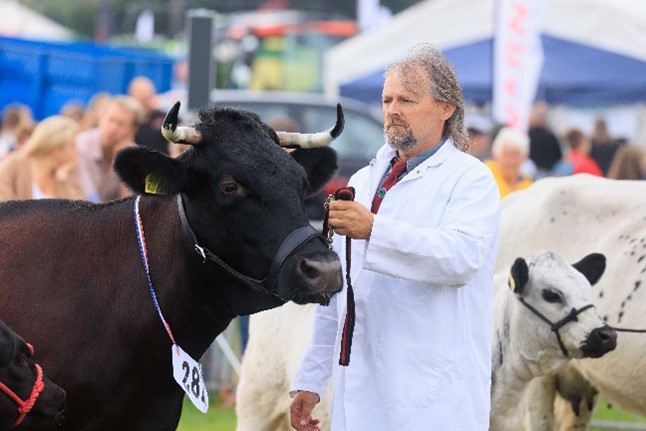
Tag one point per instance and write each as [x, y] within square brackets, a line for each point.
[592, 266]
[518, 276]
[320, 164]
[150, 172]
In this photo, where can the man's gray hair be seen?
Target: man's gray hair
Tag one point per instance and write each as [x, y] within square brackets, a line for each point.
[443, 85]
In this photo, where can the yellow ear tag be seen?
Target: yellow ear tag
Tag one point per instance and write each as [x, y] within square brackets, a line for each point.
[512, 283]
[152, 185]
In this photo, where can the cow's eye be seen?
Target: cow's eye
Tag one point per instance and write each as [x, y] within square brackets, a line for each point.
[21, 359]
[229, 187]
[552, 296]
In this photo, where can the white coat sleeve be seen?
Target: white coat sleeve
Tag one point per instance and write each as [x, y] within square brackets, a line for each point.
[316, 366]
[450, 254]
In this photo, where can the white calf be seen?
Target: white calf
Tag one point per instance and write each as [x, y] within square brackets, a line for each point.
[541, 321]
[573, 215]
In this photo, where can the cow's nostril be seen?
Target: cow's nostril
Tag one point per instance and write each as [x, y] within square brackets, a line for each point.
[607, 336]
[308, 269]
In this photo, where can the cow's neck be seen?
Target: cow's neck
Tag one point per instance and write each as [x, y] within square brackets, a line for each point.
[511, 372]
[189, 298]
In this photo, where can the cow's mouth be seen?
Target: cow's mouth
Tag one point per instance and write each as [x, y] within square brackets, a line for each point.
[322, 298]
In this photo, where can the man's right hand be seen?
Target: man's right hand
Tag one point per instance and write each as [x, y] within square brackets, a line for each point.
[300, 411]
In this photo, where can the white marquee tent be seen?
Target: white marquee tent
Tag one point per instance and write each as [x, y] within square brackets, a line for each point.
[588, 44]
[19, 21]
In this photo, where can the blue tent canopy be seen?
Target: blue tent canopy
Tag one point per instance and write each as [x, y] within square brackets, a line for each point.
[573, 74]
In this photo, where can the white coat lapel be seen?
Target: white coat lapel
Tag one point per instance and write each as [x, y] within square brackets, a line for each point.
[378, 167]
[435, 160]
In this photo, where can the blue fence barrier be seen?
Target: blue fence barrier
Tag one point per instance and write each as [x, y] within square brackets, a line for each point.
[46, 75]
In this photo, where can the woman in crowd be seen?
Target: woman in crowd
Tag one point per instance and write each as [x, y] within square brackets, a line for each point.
[628, 163]
[510, 150]
[45, 165]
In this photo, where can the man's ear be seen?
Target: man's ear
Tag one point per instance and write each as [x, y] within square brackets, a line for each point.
[148, 171]
[447, 111]
[518, 276]
[320, 164]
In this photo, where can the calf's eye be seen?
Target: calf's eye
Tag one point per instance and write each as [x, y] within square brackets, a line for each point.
[551, 296]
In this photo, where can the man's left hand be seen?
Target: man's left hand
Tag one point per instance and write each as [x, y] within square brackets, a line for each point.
[351, 219]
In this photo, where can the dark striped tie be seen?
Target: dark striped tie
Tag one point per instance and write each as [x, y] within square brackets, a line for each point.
[398, 166]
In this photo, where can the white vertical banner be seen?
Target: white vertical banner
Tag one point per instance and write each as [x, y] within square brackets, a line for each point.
[517, 61]
[372, 15]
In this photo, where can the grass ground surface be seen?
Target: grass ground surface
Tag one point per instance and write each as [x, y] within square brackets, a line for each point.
[222, 418]
[218, 418]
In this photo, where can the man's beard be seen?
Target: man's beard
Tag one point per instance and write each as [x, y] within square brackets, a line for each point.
[400, 141]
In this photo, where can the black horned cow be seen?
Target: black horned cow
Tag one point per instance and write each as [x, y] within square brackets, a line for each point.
[26, 394]
[217, 232]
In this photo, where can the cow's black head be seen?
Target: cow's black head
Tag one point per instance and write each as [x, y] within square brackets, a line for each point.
[21, 381]
[244, 194]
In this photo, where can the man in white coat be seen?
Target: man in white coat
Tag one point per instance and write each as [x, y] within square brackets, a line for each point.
[421, 271]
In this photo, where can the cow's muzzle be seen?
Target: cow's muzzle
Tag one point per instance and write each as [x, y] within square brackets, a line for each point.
[600, 341]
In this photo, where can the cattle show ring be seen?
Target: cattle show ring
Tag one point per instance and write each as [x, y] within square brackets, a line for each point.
[149, 281]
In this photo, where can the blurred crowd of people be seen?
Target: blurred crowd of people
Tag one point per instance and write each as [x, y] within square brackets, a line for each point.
[70, 155]
[518, 159]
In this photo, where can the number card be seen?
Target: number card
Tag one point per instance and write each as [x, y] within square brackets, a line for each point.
[188, 374]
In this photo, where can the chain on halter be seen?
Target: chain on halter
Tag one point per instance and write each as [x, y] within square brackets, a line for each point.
[25, 406]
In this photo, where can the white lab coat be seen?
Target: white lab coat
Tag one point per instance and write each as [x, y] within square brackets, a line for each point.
[421, 351]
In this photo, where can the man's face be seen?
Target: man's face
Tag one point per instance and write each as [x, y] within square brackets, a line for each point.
[116, 126]
[412, 116]
[510, 159]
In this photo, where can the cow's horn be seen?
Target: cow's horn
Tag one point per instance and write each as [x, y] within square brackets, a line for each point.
[178, 135]
[313, 140]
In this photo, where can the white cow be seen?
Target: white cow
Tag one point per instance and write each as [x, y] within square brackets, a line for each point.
[573, 215]
[277, 342]
[525, 346]
[544, 319]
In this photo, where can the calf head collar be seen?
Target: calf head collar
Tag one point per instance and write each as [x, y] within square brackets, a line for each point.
[572, 316]
[295, 240]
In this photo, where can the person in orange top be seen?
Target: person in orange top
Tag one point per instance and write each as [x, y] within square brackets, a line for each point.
[509, 151]
[579, 155]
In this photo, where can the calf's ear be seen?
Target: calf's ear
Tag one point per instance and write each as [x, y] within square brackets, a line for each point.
[148, 171]
[320, 164]
[518, 276]
[592, 267]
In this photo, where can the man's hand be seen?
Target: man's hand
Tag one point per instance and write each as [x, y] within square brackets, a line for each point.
[300, 411]
[351, 219]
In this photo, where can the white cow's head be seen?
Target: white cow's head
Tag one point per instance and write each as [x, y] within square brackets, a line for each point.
[556, 300]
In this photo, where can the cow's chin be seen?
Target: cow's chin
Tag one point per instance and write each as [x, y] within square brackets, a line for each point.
[321, 299]
[593, 353]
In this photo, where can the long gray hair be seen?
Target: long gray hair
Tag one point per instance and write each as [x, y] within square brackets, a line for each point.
[443, 85]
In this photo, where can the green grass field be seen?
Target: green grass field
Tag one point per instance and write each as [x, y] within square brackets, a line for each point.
[218, 418]
[611, 414]
[223, 418]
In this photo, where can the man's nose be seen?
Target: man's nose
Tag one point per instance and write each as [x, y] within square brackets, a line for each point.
[392, 109]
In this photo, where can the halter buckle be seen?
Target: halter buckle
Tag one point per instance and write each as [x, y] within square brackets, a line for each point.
[201, 252]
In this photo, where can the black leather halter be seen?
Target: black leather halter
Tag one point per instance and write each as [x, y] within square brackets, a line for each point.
[295, 240]
[572, 316]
